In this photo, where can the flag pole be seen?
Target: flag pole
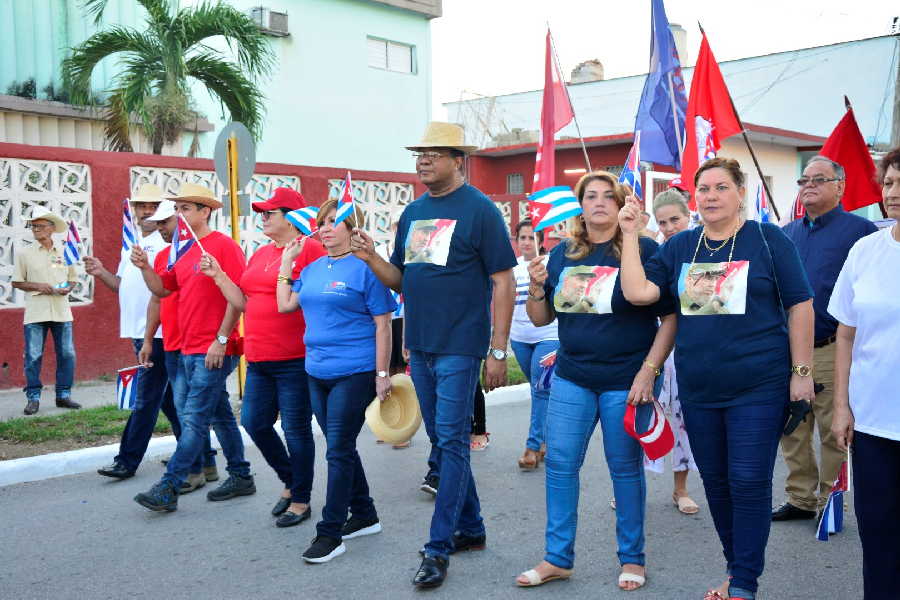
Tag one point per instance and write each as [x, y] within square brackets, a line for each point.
[587, 161]
[675, 119]
[193, 235]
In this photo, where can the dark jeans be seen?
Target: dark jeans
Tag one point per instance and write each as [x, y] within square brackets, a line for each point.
[340, 407]
[178, 385]
[444, 384]
[275, 387]
[876, 497]
[478, 427]
[35, 337]
[735, 449]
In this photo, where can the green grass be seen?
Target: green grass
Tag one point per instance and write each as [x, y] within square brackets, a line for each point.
[85, 425]
[514, 371]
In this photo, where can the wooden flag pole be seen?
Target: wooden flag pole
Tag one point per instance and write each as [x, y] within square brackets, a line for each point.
[236, 236]
[587, 161]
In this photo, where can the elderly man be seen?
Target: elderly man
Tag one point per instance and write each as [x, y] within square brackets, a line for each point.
[446, 353]
[823, 237]
[42, 274]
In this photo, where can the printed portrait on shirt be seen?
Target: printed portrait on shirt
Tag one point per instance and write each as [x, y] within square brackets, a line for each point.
[428, 241]
[713, 288]
[585, 289]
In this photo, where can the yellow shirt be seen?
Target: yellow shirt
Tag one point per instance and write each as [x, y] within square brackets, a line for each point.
[36, 264]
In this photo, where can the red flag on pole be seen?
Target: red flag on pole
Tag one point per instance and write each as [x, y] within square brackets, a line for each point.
[556, 113]
[847, 147]
[710, 116]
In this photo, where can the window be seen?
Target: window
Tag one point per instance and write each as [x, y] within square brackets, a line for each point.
[391, 56]
[515, 184]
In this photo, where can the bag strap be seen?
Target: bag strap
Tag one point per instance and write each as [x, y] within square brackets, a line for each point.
[774, 271]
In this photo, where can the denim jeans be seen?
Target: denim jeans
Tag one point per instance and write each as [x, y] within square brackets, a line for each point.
[275, 387]
[178, 385]
[340, 407]
[572, 415]
[444, 384]
[735, 449]
[529, 357]
[35, 336]
[206, 402]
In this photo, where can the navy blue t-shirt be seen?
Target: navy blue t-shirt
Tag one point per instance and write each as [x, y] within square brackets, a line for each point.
[447, 248]
[732, 333]
[603, 339]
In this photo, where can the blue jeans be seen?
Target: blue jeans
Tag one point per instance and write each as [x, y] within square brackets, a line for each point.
[444, 385]
[178, 385]
[206, 402]
[275, 387]
[529, 357]
[35, 336]
[735, 449]
[572, 415]
[340, 407]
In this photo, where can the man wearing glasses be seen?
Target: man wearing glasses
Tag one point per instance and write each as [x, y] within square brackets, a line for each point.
[42, 274]
[823, 238]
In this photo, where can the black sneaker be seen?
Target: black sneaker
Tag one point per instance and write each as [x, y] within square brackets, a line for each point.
[430, 484]
[233, 487]
[161, 497]
[323, 549]
[357, 527]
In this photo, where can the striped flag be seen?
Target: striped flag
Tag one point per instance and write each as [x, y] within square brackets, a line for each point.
[71, 253]
[832, 519]
[552, 205]
[345, 206]
[126, 387]
[631, 174]
[304, 219]
[129, 233]
[762, 205]
[799, 210]
[548, 365]
[181, 242]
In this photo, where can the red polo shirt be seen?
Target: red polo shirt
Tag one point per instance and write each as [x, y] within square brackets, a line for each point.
[168, 307]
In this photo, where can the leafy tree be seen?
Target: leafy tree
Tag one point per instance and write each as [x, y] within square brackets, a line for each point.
[158, 62]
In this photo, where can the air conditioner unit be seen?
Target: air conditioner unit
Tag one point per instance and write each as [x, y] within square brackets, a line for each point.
[270, 22]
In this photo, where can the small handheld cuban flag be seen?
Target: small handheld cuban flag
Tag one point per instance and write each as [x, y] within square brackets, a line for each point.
[181, 242]
[71, 253]
[126, 387]
[552, 205]
[129, 233]
[631, 174]
[304, 219]
[832, 519]
[548, 365]
[762, 205]
[345, 206]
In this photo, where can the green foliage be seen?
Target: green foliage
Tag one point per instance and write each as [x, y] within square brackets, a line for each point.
[514, 371]
[85, 425]
[26, 89]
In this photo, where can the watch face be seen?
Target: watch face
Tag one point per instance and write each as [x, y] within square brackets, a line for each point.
[499, 354]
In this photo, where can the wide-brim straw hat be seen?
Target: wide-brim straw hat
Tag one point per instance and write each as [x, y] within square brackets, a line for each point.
[398, 418]
[39, 212]
[149, 192]
[191, 192]
[444, 135]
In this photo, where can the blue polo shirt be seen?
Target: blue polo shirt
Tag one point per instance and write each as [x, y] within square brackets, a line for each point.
[823, 245]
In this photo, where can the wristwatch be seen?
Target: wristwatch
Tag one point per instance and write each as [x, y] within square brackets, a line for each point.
[801, 370]
[222, 339]
[497, 353]
[381, 374]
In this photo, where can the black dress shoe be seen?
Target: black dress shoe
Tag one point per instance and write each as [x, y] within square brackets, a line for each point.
[281, 506]
[431, 573]
[789, 512]
[32, 407]
[67, 403]
[462, 543]
[116, 470]
[289, 519]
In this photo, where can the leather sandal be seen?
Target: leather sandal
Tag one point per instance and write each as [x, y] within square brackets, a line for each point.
[530, 460]
[534, 578]
[685, 505]
[640, 580]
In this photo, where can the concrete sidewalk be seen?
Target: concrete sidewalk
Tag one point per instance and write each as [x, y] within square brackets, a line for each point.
[89, 394]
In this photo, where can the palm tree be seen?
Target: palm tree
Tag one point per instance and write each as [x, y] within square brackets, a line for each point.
[158, 62]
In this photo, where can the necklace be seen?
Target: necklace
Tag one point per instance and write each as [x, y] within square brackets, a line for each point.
[710, 248]
[722, 245]
[331, 256]
[277, 259]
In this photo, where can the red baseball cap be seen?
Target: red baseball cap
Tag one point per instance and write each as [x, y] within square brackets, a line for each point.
[282, 198]
[676, 183]
[658, 440]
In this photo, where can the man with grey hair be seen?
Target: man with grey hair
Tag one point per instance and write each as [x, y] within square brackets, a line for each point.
[823, 237]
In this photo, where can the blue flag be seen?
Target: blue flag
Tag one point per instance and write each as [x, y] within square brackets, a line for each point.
[659, 140]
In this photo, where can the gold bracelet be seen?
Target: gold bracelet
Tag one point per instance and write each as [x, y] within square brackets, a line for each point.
[284, 279]
[652, 366]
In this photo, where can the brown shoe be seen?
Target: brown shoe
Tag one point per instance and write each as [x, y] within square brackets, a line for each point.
[32, 407]
[67, 403]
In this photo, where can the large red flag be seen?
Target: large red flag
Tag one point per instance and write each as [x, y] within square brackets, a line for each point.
[710, 116]
[556, 113]
[847, 147]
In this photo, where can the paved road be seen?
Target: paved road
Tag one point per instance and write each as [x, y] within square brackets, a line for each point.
[82, 537]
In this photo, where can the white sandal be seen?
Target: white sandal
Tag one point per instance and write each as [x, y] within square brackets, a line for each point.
[631, 577]
[534, 578]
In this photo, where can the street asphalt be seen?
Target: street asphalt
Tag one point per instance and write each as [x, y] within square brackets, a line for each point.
[83, 537]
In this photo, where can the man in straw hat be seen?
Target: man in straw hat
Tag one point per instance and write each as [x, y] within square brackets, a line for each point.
[42, 274]
[209, 351]
[446, 353]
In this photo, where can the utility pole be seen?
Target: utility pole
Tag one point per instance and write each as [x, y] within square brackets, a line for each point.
[895, 129]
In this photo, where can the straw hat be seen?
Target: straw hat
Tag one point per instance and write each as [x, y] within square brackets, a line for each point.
[191, 192]
[149, 192]
[443, 135]
[39, 212]
[398, 418]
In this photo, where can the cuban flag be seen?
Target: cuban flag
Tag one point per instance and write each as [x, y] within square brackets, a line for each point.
[832, 520]
[304, 219]
[345, 206]
[552, 205]
[71, 254]
[126, 387]
[182, 241]
[129, 233]
[631, 174]
[548, 365]
[762, 205]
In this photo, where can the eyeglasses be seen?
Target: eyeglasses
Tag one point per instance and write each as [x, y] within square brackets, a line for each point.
[815, 181]
[267, 214]
[707, 275]
[429, 156]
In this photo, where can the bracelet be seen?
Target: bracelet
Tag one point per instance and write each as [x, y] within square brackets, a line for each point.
[652, 366]
[536, 298]
[284, 279]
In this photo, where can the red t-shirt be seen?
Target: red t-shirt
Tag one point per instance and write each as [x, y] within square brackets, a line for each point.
[201, 306]
[168, 307]
[269, 334]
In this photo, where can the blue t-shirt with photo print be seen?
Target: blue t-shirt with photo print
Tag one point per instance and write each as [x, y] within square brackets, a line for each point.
[603, 339]
[732, 330]
[339, 299]
[447, 248]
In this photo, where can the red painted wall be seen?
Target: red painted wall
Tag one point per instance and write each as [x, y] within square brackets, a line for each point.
[99, 349]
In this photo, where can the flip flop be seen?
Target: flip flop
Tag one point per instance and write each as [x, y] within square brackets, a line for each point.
[685, 505]
[631, 577]
[534, 578]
